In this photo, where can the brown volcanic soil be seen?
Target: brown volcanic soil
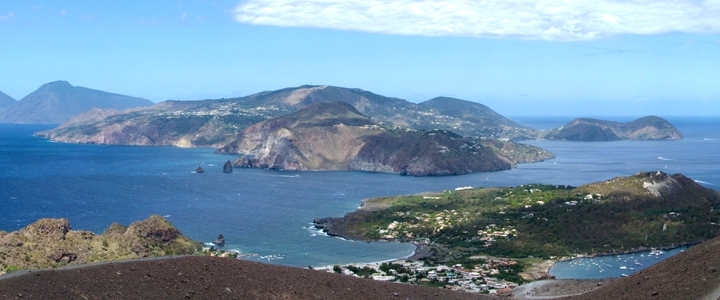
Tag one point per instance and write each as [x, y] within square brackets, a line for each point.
[694, 274]
[204, 277]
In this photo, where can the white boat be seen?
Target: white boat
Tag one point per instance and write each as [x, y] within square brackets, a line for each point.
[623, 268]
[623, 275]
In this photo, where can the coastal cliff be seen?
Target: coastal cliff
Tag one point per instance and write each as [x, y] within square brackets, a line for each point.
[50, 243]
[646, 128]
[336, 136]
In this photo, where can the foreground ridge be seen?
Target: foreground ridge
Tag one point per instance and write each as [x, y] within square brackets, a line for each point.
[203, 277]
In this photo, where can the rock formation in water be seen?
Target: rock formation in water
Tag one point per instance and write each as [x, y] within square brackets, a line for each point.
[228, 167]
[220, 241]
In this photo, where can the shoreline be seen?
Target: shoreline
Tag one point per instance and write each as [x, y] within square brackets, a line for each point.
[420, 251]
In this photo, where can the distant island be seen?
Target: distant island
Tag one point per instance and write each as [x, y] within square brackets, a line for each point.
[215, 123]
[336, 136]
[646, 128]
[57, 102]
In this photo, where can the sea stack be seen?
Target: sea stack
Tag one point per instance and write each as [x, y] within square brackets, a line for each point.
[228, 168]
[220, 241]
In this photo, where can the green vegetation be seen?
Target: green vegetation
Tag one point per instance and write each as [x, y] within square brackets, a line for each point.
[362, 272]
[548, 220]
[10, 269]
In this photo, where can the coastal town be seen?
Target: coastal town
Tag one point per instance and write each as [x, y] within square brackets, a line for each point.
[482, 278]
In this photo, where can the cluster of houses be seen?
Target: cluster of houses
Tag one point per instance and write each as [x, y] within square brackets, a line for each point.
[225, 109]
[478, 280]
[491, 233]
[439, 221]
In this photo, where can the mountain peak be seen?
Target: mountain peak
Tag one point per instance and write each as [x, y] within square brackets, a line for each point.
[58, 101]
[55, 86]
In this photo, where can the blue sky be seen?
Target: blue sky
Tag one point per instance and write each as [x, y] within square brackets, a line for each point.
[518, 57]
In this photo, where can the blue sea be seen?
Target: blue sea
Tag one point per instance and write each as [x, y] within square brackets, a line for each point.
[269, 213]
[609, 266]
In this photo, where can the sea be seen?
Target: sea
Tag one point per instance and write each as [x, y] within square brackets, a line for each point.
[267, 214]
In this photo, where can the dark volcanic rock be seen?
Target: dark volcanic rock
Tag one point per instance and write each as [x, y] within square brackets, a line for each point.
[220, 241]
[164, 234]
[228, 167]
[62, 256]
[204, 277]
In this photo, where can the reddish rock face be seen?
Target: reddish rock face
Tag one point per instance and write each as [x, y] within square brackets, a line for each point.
[62, 256]
[164, 234]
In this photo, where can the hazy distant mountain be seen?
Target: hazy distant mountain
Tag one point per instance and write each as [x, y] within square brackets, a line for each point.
[6, 101]
[57, 102]
[646, 128]
[336, 136]
[215, 123]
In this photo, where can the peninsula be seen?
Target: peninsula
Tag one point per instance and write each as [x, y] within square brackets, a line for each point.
[623, 214]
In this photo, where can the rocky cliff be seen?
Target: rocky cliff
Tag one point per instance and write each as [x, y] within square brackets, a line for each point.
[646, 128]
[52, 243]
[57, 102]
[336, 136]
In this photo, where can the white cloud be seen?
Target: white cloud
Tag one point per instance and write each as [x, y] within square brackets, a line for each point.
[63, 12]
[183, 16]
[6, 17]
[524, 19]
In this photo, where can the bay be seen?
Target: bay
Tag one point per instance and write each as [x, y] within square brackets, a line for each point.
[600, 267]
[270, 212]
